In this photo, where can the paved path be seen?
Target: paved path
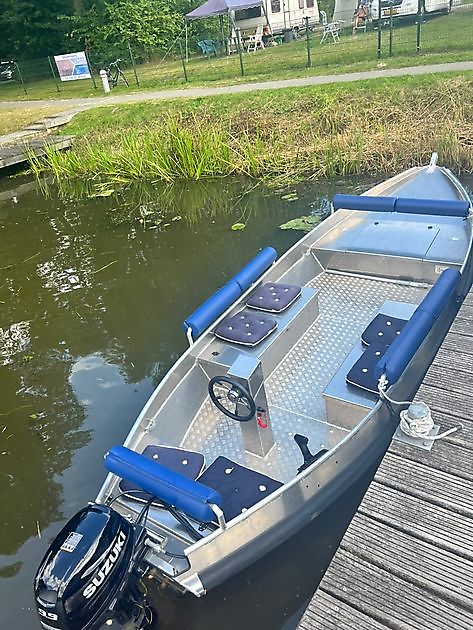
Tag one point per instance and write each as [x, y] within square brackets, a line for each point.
[78, 104]
[406, 561]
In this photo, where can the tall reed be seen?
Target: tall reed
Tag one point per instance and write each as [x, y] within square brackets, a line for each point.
[295, 134]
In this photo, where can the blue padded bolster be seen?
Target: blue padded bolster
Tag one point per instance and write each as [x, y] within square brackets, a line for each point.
[212, 308]
[439, 294]
[443, 207]
[253, 270]
[440, 207]
[190, 496]
[401, 351]
[364, 202]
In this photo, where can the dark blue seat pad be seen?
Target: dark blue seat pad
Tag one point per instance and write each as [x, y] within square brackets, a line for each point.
[239, 487]
[187, 463]
[362, 372]
[273, 297]
[383, 329]
[247, 329]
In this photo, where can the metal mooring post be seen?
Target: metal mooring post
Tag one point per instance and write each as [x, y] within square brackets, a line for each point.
[379, 29]
[309, 62]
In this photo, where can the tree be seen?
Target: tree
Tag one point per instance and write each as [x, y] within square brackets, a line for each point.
[107, 27]
[33, 28]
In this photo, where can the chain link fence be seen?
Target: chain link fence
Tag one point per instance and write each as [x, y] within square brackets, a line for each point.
[431, 33]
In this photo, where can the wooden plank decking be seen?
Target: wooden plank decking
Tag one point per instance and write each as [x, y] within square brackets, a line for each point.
[17, 153]
[406, 561]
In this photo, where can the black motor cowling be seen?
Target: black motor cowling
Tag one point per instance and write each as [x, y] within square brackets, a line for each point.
[85, 570]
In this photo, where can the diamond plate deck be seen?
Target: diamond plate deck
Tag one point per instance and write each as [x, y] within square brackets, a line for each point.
[347, 304]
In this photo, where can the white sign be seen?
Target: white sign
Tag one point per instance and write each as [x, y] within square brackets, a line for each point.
[72, 66]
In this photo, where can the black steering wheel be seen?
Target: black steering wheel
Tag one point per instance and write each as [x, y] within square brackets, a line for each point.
[229, 396]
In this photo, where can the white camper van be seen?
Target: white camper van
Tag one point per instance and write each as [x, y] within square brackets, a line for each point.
[404, 8]
[282, 15]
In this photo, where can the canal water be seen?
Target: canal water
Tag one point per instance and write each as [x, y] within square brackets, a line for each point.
[93, 290]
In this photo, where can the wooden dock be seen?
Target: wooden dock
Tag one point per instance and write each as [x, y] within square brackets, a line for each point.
[17, 153]
[406, 561]
[15, 146]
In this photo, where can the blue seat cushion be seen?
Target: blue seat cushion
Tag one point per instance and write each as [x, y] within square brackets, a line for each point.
[273, 297]
[401, 351]
[383, 329]
[247, 329]
[362, 373]
[239, 487]
[187, 463]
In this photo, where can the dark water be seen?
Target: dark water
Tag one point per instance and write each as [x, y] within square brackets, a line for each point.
[92, 296]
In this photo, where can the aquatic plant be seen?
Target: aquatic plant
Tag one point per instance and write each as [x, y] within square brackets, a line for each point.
[284, 136]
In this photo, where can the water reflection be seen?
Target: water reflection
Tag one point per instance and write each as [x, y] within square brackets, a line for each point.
[92, 295]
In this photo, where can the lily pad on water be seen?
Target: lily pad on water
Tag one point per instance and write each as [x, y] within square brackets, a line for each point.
[238, 226]
[102, 193]
[293, 196]
[304, 224]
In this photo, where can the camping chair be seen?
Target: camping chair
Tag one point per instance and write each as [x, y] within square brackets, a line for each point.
[207, 47]
[330, 28]
[256, 40]
[360, 18]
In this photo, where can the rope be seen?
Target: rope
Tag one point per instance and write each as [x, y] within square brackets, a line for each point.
[419, 428]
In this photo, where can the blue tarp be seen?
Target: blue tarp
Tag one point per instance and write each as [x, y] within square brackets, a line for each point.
[219, 7]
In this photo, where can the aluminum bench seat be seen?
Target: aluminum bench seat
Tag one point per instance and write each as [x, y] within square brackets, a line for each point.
[346, 404]
[292, 323]
[224, 487]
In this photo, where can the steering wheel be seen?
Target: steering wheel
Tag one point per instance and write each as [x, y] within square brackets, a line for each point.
[227, 395]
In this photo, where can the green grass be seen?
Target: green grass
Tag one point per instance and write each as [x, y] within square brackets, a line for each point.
[378, 126]
[444, 38]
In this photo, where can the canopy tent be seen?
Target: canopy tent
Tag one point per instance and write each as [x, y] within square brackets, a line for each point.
[213, 8]
[219, 7]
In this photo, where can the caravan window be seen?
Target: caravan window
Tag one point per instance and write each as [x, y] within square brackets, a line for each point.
[310, 4]
[301, 4]
[247, 14]
[275, 6]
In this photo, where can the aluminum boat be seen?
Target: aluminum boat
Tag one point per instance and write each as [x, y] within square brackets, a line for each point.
[286, 395]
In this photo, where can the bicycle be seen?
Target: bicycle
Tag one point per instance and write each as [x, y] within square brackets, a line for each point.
[115, 73]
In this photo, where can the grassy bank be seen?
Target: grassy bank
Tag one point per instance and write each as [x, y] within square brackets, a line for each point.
[378, 126]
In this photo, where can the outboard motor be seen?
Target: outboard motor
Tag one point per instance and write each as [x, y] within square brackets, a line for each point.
[91, 574]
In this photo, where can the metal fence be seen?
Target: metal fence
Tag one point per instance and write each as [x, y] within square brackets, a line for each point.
[343, 44]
